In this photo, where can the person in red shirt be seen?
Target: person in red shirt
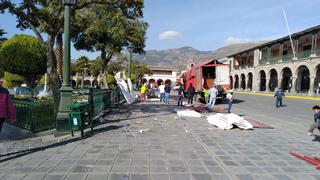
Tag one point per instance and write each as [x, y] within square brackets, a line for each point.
[6, 106]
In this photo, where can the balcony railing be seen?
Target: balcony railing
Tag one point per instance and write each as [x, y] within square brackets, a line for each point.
[304, 54]
[287, 57]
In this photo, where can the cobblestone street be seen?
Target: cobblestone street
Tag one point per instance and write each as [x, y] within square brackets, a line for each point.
[174, 148]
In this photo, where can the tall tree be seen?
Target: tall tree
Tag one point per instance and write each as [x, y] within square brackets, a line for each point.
[59, 55]
[109, 31]
[82, 66]
[45, 18]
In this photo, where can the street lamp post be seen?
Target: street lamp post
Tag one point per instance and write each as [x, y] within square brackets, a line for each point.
[65, 90]
[130, 60]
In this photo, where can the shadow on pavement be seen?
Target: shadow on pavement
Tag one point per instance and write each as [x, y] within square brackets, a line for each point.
[316, 138]
[13, 155]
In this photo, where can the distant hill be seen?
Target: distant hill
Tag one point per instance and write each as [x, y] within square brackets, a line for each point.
[179, 58]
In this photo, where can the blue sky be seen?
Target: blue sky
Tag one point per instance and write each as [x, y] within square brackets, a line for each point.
[210, 24]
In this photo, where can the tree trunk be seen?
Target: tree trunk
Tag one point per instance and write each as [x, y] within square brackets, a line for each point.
[104, 68]
[51, 65]
[59, 55]
[82, 80]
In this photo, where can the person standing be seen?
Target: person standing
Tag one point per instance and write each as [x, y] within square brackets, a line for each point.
[279, 94]
[191, 92]
[167, 90]
[230, 100]
[213, 92]
[316, 123]
[206, 95]
[143, 92]
[6, 106]
[289, 87]
[180, 94]
[162, 93]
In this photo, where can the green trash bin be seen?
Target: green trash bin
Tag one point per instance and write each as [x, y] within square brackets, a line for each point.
[80, 116]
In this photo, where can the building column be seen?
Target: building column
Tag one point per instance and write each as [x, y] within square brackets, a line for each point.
[281, 52]
[240, 63]
[267, 84]
[314, 44]
[280, 82]
[294, 84]
[311, 89]
[247, 59]
[296, 48]
[268, 54]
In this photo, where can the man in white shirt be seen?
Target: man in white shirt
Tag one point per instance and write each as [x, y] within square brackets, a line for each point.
[162, 92]
[213, 95]
[230, 99]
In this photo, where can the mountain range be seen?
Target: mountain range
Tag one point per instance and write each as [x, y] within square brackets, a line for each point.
[179, 58]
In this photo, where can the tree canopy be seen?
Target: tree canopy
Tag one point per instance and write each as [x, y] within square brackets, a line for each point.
[45, 18]
[24, 55]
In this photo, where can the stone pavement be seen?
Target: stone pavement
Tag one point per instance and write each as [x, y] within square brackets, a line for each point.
[175, 148]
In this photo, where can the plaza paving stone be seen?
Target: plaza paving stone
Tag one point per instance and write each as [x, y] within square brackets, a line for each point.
[176, 148]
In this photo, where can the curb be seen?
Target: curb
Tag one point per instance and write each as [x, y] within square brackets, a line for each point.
[289, 96]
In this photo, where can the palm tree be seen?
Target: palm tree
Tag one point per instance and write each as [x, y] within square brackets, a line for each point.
[82, 65]
[2, 39]
[59, 55]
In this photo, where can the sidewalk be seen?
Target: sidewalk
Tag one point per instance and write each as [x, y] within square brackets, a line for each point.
[175, 148]
[288, 95]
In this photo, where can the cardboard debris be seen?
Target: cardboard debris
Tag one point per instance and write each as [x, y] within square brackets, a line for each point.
[138, 122]
[226, 121]
[188, 113]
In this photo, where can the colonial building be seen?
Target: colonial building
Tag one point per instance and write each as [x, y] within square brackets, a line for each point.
[160, 74]
[276, 64]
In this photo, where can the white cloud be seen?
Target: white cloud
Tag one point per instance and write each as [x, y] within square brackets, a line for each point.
[169, 35]
[232, 40]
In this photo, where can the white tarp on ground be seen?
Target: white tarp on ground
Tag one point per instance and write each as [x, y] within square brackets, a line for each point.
[124, 89]
[226, 121]
[187, 112]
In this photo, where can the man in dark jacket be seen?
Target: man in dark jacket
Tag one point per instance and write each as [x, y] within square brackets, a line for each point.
[180, 94]
[167, 90]
[316, 123]
[6, 106]
[279, 94]
[191, 92]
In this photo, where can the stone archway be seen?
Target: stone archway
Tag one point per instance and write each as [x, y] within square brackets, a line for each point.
[286, 83]
[273, 83]
[303, 79]
[243, 82]
[168, 81]
[144, 80]
[87, 83]
[95, 83]
[73, 83]
[231, 82]
[250, 78]
[152, 81]
[236, 82]
[159, 81]
[263, 81]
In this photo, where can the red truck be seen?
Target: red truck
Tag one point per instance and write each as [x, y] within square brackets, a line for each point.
[206, 74]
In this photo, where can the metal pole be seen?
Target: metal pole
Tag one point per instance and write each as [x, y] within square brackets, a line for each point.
[63, 126]
[66, 53]
[293, 49]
